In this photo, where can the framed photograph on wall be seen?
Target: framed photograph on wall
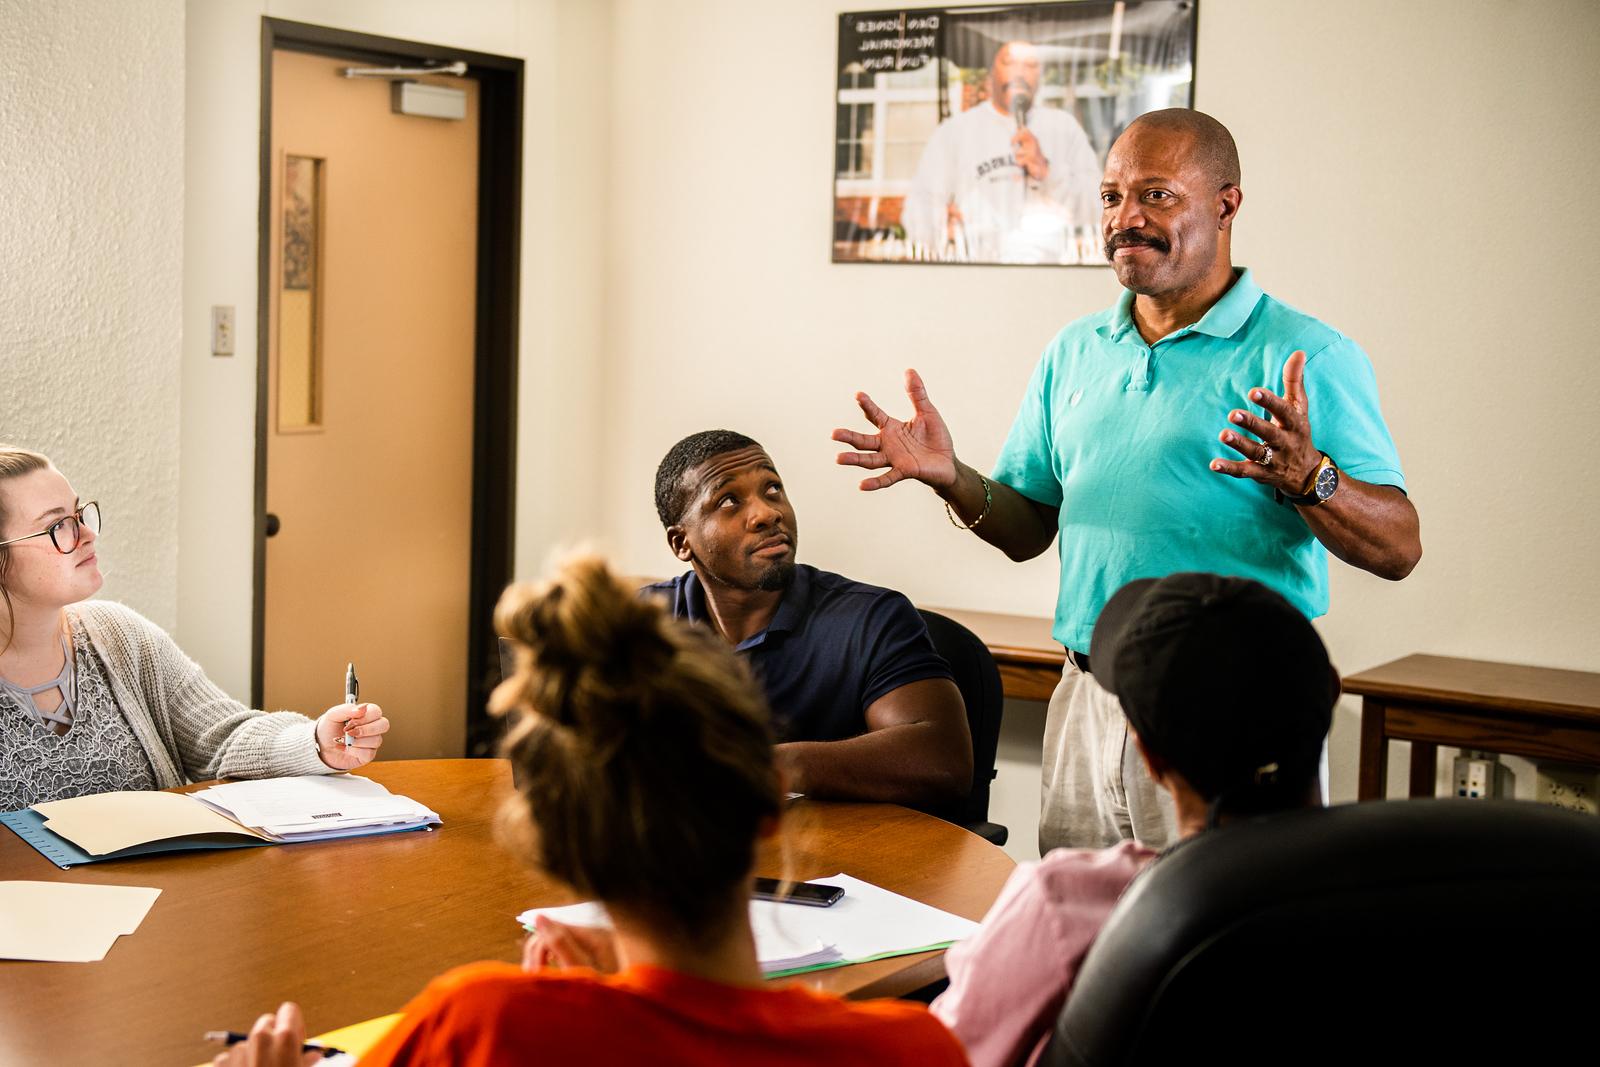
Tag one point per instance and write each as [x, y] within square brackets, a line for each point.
[978, 134]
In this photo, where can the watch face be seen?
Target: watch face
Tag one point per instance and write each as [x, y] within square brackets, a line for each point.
[1327, 482]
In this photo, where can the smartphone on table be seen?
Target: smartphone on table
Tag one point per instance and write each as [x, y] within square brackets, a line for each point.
[810, 893]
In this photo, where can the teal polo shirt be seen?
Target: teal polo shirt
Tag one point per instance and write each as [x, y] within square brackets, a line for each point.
[1119, 435]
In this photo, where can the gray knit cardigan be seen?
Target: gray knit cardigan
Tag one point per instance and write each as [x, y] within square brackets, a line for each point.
[190, 729]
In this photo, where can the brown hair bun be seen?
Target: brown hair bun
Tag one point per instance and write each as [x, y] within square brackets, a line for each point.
[643, 745]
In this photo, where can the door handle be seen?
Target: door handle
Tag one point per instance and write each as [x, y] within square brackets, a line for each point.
[272, 525]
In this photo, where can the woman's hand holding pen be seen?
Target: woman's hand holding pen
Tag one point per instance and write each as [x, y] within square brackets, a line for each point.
[274, 1041]
[348, 735]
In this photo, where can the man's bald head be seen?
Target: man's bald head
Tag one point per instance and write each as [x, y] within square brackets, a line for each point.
[1211, 145]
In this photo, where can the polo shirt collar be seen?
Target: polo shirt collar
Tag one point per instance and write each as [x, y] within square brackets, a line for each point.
[1119, 320]
[1223, 319]
[794, 606]
[792, 609]
[1229, 314]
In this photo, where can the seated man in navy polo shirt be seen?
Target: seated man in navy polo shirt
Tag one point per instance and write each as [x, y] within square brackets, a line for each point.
[863, 706]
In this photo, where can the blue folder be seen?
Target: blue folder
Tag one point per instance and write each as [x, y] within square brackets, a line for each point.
[30, 826]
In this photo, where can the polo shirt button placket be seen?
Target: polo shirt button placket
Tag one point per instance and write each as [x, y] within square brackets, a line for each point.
[1139, 376]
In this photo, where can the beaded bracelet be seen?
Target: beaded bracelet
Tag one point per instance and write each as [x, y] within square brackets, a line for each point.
[988, 499]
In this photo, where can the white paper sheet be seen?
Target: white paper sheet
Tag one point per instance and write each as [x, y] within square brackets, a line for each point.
[871, 921]
[68, 922]
[868, 923]
[313, 803]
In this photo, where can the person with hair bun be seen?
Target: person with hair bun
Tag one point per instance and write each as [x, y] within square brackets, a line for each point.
[1228, 694]
[94, 697]
[646, 777]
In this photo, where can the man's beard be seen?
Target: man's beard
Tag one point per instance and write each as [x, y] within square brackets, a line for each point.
[776, 577]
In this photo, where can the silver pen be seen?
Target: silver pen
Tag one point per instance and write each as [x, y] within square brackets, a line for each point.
[352, 689]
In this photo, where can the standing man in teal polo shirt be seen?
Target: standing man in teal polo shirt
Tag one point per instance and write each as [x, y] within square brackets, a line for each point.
[1115, 448]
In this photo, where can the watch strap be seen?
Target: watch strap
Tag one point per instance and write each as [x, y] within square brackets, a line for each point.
[1309, 499]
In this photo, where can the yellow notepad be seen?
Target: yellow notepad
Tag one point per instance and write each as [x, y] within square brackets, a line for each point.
[357, 1039]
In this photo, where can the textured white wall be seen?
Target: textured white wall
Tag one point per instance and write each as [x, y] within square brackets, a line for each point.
[1413, 174]
[563, 41]
[91, 244]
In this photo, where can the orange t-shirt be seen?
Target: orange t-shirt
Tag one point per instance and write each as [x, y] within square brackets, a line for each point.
[489, 1014]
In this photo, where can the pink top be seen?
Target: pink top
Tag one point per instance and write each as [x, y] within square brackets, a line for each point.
[1009, 980]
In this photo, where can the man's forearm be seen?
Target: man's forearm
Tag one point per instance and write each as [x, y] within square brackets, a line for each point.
[907, 764]
[1017, 526]
[1374, 527]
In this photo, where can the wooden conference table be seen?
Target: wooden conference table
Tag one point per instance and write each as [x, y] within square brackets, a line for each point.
[353, 929]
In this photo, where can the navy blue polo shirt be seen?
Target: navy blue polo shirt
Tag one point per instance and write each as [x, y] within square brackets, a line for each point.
[833, 647]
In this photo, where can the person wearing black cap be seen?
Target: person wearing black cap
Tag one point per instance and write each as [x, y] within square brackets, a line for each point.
[1228, 693]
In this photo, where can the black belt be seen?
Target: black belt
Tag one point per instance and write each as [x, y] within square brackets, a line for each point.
[1079, 660]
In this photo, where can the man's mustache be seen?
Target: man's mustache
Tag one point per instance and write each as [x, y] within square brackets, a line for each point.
[1135, 239]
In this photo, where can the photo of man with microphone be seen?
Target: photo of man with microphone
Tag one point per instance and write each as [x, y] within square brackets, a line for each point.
[1005, 181]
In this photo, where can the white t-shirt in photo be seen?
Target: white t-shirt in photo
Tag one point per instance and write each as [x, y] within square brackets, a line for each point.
[969, 163]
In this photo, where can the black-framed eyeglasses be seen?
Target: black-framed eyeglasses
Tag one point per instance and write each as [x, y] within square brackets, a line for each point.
[66, 533]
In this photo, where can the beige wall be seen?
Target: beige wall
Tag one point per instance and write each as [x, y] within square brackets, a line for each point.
[1414, 174]
[91, 231]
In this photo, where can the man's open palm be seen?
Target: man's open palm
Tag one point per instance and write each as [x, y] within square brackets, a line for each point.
[920, 449]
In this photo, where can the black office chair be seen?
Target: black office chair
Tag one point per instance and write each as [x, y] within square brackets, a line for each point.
[979, 681]
[1439, 930]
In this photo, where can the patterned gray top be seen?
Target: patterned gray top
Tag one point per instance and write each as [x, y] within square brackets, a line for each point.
[97, 754]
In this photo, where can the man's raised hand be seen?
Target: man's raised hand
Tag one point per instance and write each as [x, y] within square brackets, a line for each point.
[920, 449]
[1284, 443]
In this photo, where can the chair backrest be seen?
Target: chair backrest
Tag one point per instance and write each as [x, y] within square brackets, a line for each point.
[1340, 935]
[979, 681]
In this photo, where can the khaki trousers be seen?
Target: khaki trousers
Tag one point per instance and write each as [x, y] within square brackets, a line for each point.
[1096, 790]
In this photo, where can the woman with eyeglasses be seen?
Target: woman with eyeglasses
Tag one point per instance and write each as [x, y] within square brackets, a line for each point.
[94, 697]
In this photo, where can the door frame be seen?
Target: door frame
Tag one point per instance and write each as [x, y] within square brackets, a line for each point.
[500, 80]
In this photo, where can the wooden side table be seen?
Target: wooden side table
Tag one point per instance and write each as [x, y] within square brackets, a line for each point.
[1536, 712]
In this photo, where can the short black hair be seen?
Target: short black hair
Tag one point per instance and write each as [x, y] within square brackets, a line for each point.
[672, 496]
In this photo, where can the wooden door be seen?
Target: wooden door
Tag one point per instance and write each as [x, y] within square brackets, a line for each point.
[370, 406]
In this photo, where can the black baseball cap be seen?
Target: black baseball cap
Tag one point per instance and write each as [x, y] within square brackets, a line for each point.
[1221, 677]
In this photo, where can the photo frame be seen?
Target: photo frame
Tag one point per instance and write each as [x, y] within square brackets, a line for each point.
[977, 135]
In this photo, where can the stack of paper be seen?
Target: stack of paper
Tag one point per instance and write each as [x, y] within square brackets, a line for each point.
[316, 807]
[785, 948]
[869, 923]
[66, 922]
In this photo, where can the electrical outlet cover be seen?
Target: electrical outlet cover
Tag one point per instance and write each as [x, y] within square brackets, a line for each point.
[1564, 785]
